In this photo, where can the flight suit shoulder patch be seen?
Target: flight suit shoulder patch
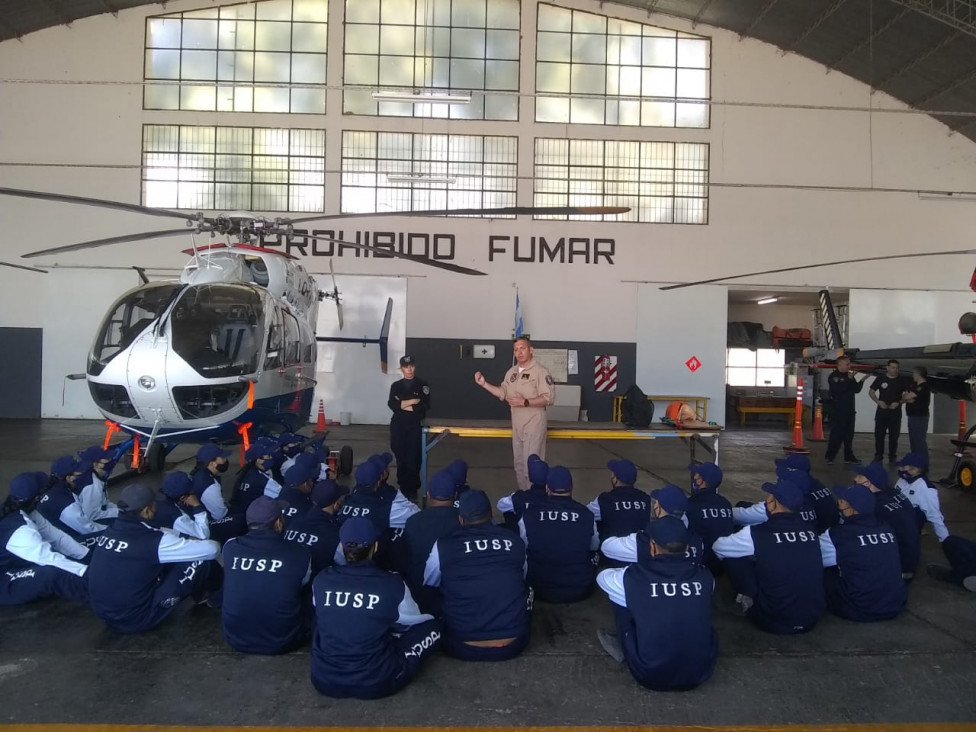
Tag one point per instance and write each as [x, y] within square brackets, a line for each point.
[426, 389]
[550, 380]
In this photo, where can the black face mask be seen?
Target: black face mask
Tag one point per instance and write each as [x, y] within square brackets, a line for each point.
[222, 467]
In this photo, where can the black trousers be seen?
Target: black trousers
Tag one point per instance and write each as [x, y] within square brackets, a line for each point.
[841, 432]
[886, 421]
[405, 443]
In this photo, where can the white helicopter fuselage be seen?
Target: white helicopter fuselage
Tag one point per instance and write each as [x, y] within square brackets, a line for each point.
[231, 344]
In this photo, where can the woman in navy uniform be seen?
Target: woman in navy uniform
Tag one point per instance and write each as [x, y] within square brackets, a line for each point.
[370, 636]
[409, 401]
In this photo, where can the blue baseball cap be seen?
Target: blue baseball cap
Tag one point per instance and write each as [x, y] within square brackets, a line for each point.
[209, 452]
[794, 461]
[380, 463]
[459, 469]
[300, 472]
[368, 474]
[263, 511]
[260, 448]
[327, 492]
[176, 485]
[136, 497]
[538, 470]
[357, 532]
[94, 453]
[64, 466]
[26, 486]
[308, 459]
[668, 530]
[802, 479]
[859, 496]
[559, 480]
[624, 470]
[913, 460]
[289, 438]
[786, 492]
[874, 472]
[709, 472]
[442, 486]
[383, 458]
[474, 505]
[671, 498]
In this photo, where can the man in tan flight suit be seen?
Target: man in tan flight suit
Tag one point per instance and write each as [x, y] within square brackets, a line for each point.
[529, 389]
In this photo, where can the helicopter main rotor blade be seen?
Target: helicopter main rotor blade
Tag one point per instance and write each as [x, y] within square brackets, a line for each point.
[22, 266]
[399, 255]
[335, 293]
[505, 211]
[98, 202]
[822, 264]
[105, 242]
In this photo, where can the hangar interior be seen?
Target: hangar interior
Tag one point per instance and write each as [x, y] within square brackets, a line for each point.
[743, 136]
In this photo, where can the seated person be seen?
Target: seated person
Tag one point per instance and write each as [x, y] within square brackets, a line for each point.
[623, 509]
[662, 607]
[266, 606]
[140, 573]
[513, 506]
[480, 570]
[370, 637]
[862, 579]
[561, 538]
[36, 559]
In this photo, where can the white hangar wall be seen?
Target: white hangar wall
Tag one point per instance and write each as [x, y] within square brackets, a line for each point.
[52, 118]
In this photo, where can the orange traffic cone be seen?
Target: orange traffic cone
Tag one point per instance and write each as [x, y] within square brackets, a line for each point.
[320, 424]
[818, 433]
[797, 445]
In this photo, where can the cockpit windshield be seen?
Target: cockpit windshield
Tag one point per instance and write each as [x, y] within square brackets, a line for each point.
[130, 316]
[218, 329]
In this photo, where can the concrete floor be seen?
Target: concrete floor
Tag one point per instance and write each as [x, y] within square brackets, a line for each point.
[59, 664]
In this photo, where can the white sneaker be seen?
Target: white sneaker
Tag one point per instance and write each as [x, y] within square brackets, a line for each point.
[970, 583]
[742, 604]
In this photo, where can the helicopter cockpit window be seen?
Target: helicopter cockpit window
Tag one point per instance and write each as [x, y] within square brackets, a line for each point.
[276, 331]
[127, 319]
[292, 340]
[218, 329]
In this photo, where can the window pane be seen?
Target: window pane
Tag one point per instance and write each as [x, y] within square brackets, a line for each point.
[616, 58]
[362, 11]
[361, 70]
[740, 377]
[740, 357]
[771, 358]
[503, 14]
[770, 377]
[503, 44]
[163, 33]
[162, 64]
[239, 44]
[468, 43]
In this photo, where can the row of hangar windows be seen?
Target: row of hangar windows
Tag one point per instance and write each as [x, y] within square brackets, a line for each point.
[271, 56]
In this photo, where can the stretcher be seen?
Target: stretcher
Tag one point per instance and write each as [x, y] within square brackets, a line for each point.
[432, 435]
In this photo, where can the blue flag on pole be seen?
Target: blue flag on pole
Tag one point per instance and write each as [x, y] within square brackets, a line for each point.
[518, 315]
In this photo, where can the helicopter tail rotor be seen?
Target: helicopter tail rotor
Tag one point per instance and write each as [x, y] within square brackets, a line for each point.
[384, 338]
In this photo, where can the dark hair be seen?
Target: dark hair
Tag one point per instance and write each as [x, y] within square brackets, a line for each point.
[922, 371]
[672, 547]
[355, 556]
[525, 338]
[12, 505]
[893, 361]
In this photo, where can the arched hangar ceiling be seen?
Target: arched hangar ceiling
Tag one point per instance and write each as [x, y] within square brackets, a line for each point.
[922, 52]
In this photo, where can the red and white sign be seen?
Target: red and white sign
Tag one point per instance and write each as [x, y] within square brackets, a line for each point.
[693, 364]
[605, 373]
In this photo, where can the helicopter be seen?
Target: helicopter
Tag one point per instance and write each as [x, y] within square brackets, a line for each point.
[229, 349]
